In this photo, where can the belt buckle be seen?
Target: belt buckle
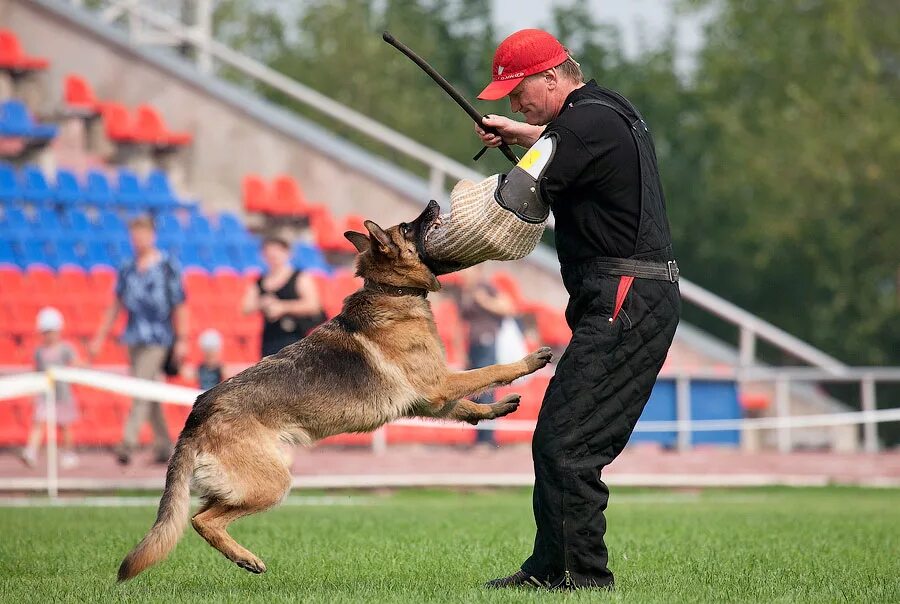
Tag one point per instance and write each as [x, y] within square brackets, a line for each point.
[672, 271]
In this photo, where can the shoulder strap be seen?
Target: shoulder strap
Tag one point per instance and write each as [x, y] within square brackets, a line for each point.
[634, 122]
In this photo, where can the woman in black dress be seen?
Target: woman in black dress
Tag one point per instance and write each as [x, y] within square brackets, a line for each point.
[286, 296]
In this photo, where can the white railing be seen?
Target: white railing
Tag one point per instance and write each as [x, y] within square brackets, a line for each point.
[29, 384]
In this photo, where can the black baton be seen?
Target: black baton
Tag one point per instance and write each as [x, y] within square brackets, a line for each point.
[453, 92]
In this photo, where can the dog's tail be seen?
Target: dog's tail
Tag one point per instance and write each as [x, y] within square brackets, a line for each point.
[171, 518]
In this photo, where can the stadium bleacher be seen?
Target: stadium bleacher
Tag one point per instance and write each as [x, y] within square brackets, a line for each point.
[63, 233]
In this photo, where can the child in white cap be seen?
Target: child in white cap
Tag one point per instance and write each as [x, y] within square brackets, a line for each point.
[53, 351]
[209, 373]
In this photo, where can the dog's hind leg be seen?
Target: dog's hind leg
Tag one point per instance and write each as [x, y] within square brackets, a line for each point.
[257, 486]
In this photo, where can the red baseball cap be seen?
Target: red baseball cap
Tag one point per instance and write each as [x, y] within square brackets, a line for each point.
[524, 53]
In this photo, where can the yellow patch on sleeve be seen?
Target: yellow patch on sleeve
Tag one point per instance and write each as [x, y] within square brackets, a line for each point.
[529, 158]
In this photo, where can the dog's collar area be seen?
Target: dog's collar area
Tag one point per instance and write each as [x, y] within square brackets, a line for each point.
[395, 290]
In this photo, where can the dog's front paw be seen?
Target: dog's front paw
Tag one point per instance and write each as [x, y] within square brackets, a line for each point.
[505, 406]
[538, 359]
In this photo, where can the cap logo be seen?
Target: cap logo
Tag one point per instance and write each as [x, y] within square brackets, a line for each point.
[500, 70]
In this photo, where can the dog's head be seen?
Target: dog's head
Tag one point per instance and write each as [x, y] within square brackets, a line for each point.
[391, 256]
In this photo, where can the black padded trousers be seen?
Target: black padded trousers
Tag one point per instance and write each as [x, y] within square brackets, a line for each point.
[600, 387]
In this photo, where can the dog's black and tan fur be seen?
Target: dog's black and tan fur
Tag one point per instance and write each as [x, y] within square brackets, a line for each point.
[379, 360]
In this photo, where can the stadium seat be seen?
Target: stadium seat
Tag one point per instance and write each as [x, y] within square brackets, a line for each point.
[128, 189]
[73, 281]
[16, 121]
[13, 280]
[97, 191]
[450, 326]
[150, 128]
[78, 223]
[13, 57]
[79, 95]
[103, 280]
[67, 190]
[551, 325]
[230, 225]
[35, 188]
[255, 195]
[117, 123]
[308, 257]
[158, 192]
[7, 256]
[287, 197]
[9, 184]
[14, 222]
[329, 237]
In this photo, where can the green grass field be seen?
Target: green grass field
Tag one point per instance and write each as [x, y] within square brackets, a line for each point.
[759, 545]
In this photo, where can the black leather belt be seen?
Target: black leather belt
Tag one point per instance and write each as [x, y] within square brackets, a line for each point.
[642, 269]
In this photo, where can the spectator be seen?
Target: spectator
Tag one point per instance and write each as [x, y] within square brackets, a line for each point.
[287, 298]
[53, 351]
[483, 307]
[210, 373]
[149, 289]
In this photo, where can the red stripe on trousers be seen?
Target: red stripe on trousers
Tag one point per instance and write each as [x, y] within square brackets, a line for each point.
[624, 285]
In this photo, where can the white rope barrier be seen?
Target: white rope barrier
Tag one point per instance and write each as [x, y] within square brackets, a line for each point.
[34, 383]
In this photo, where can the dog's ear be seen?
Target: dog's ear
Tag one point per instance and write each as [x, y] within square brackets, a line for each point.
[359, 241]
[384, 241]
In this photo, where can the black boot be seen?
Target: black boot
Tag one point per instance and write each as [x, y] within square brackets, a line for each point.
[518, 579]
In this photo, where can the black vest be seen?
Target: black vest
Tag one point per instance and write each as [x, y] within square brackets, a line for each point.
[654, 240]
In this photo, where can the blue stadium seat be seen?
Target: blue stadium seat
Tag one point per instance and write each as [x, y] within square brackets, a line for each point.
[47, 221]
[191, 257]
[128, 190]
[308, 257]
[96, 253]
[34, 186]
[230, 224]
[66, 255]
[14, 222]
[97, 190]
[110, 224]
[7, 254]
[250, 257]
[199, 228]
[34, 252]
[9, 185]
[168, 224]
[77, 222]
[67, 190]
[219, 256]
[158, 191]
[16, 121]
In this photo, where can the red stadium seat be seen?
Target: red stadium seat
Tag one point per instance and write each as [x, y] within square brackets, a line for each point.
[13, 281]
[198, 286]
[332, 291]
[12, 57]
[40, 282]
[328, 236]
[256, 195]
[118, 123]
[73, 281]
[103, 282]
[287, 196]
[78, 94]
[15, 415]
[508, 284]
[150, 128]
[551, 325]
[355, 222]
[451, 330]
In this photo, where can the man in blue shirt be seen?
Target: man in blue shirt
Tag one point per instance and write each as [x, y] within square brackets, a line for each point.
[149, 289]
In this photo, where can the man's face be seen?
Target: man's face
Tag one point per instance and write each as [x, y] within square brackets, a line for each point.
[534, 99]
[142, 238]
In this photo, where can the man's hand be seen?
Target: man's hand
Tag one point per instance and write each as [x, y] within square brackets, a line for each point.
[511, 132]
[180, 350]
[94, 348]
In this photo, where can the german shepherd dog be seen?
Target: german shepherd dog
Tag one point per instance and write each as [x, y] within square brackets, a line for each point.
[380, 359]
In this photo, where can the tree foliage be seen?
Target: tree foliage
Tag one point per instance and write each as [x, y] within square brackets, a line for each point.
[779, 155]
